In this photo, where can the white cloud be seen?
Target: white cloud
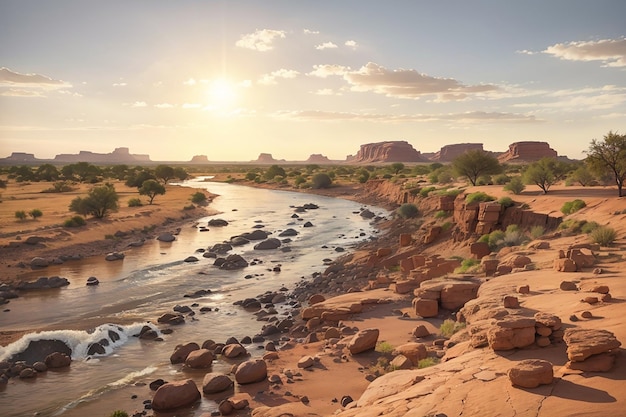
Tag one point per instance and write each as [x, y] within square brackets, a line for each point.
[10, 78]
[245, 83]
[323, 71]
[612, 52]
[261, 40]
[311, 32]
[164, 106]
[190, 81]
[269, 79]
[14, 92]
[351, 44]
[325, 45]
[139, 104]
[120, 84]
[403, 83]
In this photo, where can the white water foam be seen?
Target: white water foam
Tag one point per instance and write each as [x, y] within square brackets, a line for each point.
[77, 340]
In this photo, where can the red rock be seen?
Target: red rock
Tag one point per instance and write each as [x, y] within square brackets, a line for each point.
[564, 265]
[57, 360]
[531, 373]
[175, 394]
[568, 286]
[201, 358]
[602, 362]
[479, 249]
[182, 351]
[421, 331]
[583, 343]
[363, 341]
[583, 258]
[316, 298]
[215, 382]
[511, 302]
[448, 153]
[414, 351]
[523, 289]
[594, 287]
[425, 307]
[391, 151]
[401, 362]
[590, 300]
[405, 239]
[251, 371]
[528, 151]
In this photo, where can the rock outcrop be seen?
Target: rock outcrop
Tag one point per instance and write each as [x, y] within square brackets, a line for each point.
[317, 158]
[527, 151]
[119, 155]
[449, 152]
[267, 158]
[391, 151]
[199, 159]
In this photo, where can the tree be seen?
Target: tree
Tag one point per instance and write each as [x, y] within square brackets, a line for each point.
[138, 176]
[273, 172]
[151, 188]
[198, 198]
[516, 185]
[180, 173]
[609, 156]
[582, 176]
[164, 173]
[20, 214]
[99, 201]
[47, 172]
[35, 213]
[82, 171]
[545, 173]
[396, 167]
[321, 180]
[475, 163]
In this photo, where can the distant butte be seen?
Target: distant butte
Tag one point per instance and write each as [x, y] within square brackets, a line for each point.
[317, 158]
[527, 151]
[390, 151]
[449, 152]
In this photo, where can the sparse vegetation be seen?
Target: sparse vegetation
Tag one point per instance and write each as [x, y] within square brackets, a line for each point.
[35, 213]
[441, 214]
[198, 198]
[478, 197]
[466, 265]
[100, 201]
[609, 157]
[408, 211]
[515, 185]
[151, 188]
[603, 235]
[450, 327]
[384, 347]
[119, 413]
[20, 215]
[506, 202]
[545, 173]
[59, 187]
[321, 180]
[474, 164]
[426, 190]
[537, 231]
[427, 362]
[134, 202]
[75, 221]
[572, 206]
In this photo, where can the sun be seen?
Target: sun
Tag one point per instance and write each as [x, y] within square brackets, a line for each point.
[222, 93]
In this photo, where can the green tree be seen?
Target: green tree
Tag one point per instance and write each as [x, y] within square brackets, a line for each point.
[47, 172]
[363, 175]
[24, 173]
[396, 167]
[35, 213]
[475, 163]
[151, 188]
[582, 176]
[545, 173]
[274, 171]
[180, 173]
[20, 214]
[321, 180]
[609, 155]
[81, 171]
[100, 201]
[138, 176]
[198, 198]
[164, 173]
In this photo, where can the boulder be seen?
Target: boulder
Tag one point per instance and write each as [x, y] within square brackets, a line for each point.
[217, 223]
[455, 295]
[425, 307]
[38, 262]
[114, 256]
[57, 360]
[568, 286]
[166, 237]
[363, 340]
[511, 332]
[583, 343]
[175, 394]
[215, 382]
[531, 373]
[306, 362]
[268, 244]
[413, 351]
[234, 350]
[182, 351]
[564, 265]
[251, 371]
[479, 249]
[401, 362]
[420, 331]
[198, 359]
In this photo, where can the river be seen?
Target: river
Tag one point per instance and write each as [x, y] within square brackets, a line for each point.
[154, 278]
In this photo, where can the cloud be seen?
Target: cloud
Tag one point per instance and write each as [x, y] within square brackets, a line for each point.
[351, 44]
[410, 84]
[139, 104]
[10, 78]
[324, 92]
[269, 79]
[164, 106]
[585, 99]
[261, 40]
[325, 45]
[323, 71]
[311, 32]
[14, 92]
[120, 84]
[612, 52]
[190, 81]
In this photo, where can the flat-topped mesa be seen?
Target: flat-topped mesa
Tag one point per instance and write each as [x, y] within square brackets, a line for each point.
[199, 159]
[119, 155]
[318, 158]
[267, 158]
[527, 151]
[20, 157]
[449, 152]
[390, 151]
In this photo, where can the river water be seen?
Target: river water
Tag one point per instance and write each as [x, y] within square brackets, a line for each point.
[154, 278]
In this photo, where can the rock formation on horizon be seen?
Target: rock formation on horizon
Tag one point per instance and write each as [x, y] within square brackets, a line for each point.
[390, 151]
[527, 151]
[20, 157]
[318, 158]
[119, 155]
[448, 153]
[267, 158]
[199, 159]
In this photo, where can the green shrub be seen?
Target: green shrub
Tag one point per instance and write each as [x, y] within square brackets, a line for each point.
[478, 197]
[426, 190]
[495, 238]
[603, 235]
[198, 198]
[516, 185]
[537, 231]
[467, 264]
[572, 226]
[189, 207]
[506, 202]
[321, 180]
[59, 187]
[501, 179]
[427, 362]
[572, 206]
[450, 327]
[384, 348]
[119, 413]
[408, 211]
[35, 213]
[446, 226]
[441, 214]
[76, 221]
[20, 214]
[589, 227]
[134, 202]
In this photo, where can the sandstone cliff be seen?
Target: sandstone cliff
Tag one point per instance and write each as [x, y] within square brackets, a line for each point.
[118, 156]
[391, 151]
[199, 159]
[527, 151]
[317, 158]
[449, 152]
[267, 158]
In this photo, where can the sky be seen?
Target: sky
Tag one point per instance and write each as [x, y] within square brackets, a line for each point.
[232, 79]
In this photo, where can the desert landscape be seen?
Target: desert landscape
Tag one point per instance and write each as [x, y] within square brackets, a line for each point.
[425, 320]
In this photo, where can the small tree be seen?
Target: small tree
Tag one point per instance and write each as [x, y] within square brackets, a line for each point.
[35, 213]
[274, 171]
[475, 163]
[100, 201]
[516, 185]
[164, 173]
[396, 167]
[408, 211]
[198, 198]
[151, 188]
[321, 180]
[20, 214]
[545, 173]
[609, 156]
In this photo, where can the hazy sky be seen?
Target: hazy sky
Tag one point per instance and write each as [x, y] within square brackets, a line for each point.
[231, 79]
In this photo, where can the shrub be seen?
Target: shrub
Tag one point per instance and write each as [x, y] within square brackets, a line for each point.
[603, 235]
[119, 413]
[59, 187]
[408, 211]
[446, 226]
[426, 190]
[384, 347]
[478, 197]
[467, 264]
[35, 213]
[450, 327]
[321, 180]
[20, 214]
[589, 227]
[516, 185]
[537, 231]
[441, 214]
[506, 202]
[251, 176]
[198, 198]
[427, 362]
[134, 202]
[189, 207]
[572, 206]
[501, 179]
[76, 221]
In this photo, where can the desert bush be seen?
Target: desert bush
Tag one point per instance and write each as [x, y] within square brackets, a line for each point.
[426, 190]
[321, 180]
[466, 265]
[450, 327]
[198, 197]
[501, 179]
[446, 226]
[408, 211]
[35, 213]
[134, 202]
[20, 214]
[589, 227]
[603, 235]
[119, 413]
[251, 176]
[427, 362]
[571, 227]
[59, 187]
[385, 348]
[189, 207]
[515, 185]
[572, 206]
[75, 221]
[506, 202]
[441, 214]
[537, 231]
[478, 197]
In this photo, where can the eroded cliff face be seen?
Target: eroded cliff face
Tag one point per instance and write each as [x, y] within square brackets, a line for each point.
[391, 151]
[527, 151]
[449, 152]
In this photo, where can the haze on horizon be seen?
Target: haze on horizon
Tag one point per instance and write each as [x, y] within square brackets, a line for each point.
[231, 80]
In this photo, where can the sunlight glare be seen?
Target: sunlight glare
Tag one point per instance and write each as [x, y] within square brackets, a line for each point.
[222, 93]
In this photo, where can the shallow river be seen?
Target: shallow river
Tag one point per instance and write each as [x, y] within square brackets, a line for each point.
[151, 280]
